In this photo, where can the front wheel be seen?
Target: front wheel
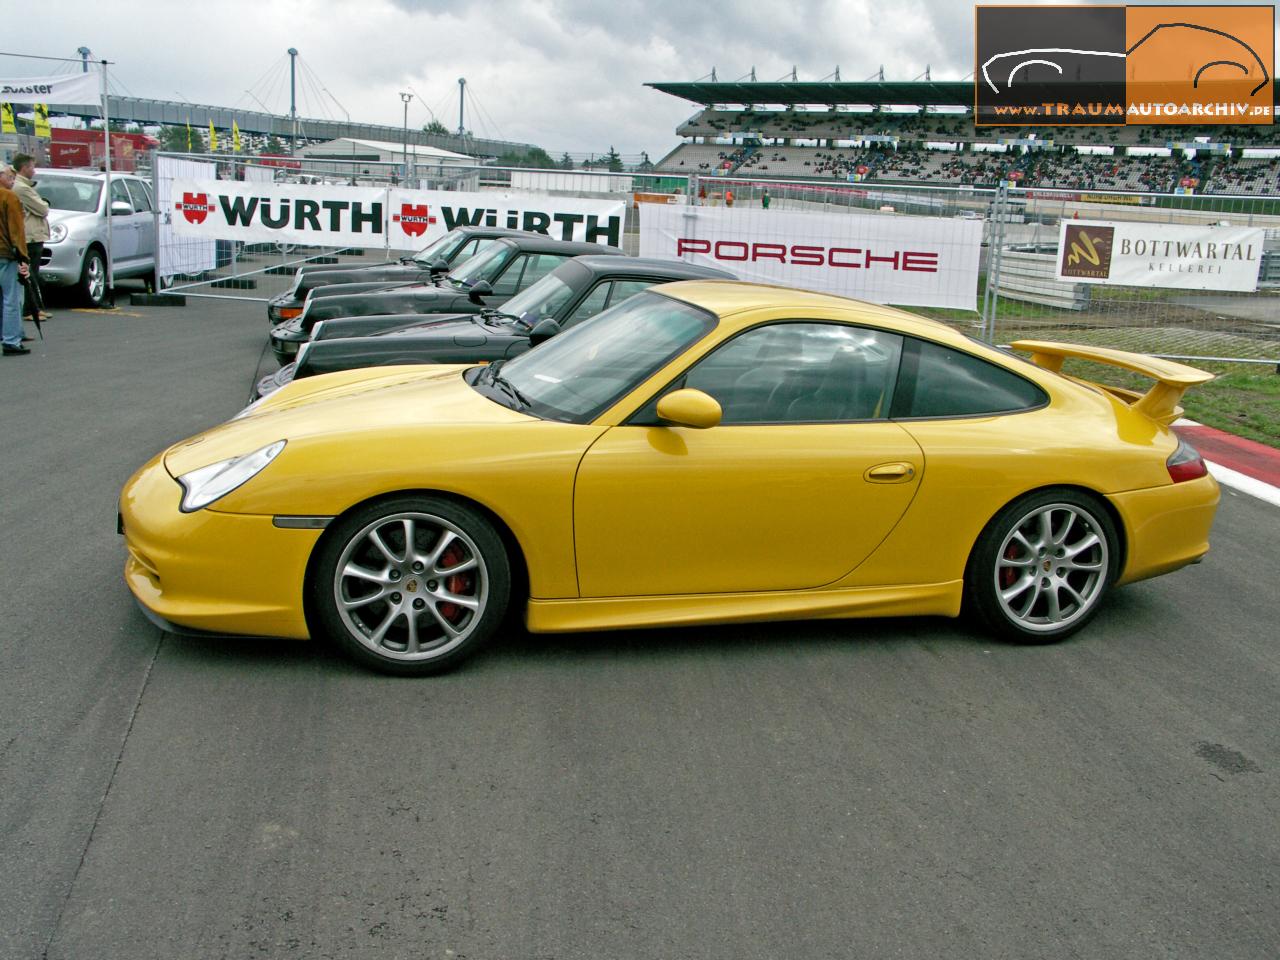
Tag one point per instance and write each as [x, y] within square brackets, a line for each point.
[93, 278]
[1042, 566]
[412, 585]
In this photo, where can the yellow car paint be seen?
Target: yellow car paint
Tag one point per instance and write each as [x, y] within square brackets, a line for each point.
[627, 526]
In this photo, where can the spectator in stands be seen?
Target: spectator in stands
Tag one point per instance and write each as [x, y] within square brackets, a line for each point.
[13, 264]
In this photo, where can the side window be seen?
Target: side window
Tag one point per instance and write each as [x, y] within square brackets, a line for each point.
[465, 252]
[628, 288]
[801, 373]
[937, 381]
[141, 202]
[591, 305]
[120, 192]
[508, 282]
[539, 266]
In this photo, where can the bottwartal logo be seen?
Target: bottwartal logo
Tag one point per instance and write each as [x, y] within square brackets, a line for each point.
[1086, 251]
[194, 206]
[414, 218]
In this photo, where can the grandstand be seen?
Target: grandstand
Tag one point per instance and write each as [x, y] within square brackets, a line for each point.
[925, 132]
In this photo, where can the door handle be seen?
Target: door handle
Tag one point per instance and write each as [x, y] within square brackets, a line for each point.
[899, 472]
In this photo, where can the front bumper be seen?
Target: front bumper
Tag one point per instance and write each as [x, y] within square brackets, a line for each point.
[63, 262]
[282, 307]
[287, 339]
[219, 573]
[274, 381]
[1166, 527]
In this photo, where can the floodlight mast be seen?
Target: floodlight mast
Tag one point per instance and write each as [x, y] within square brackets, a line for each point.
[293, 98]
[462, 90]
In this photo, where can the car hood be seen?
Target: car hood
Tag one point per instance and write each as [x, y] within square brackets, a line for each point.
[346, 404]
[70, 217]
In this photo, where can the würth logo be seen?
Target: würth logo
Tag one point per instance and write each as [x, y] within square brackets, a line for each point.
[194, 206]
[414, 218]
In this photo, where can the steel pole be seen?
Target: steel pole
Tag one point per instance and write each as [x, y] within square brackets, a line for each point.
[293, 98]
[111, 229]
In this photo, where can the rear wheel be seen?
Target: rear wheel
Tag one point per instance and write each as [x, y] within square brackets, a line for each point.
[1042, 566]
[93, 278]
[412, 585]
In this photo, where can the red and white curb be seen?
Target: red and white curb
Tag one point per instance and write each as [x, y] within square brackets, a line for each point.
[1244, 465]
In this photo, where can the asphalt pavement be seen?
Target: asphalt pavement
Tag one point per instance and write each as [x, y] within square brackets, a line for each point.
[889, 788]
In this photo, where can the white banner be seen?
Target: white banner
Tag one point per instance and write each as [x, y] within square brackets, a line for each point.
[420, 217]
[70, 88]
[1133, 254]
[336, 215]
[188, 256]
[883, 258]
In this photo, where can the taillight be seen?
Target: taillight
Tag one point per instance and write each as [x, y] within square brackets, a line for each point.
[1185, 463]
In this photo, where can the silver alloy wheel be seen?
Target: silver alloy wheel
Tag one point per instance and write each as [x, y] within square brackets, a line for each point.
[97, 273]
[1052, 567]
[411, 586]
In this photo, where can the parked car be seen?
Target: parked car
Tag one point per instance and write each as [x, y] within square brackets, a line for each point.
[489, 279]
[704, 452]
[81, 213]
[455, 247]
[572, 292]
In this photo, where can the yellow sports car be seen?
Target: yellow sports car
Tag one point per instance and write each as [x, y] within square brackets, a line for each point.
[705, 452]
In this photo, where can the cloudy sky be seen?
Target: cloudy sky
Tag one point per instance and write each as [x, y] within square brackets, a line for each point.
[564, 74]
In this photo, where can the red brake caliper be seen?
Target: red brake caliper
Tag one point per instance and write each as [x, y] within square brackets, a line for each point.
[1008, 574]
[458, 583]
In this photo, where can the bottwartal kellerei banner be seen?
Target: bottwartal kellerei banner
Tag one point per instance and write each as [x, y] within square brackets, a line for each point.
[883, 258]
[336, 215]
[1133, 254]
[76, 88]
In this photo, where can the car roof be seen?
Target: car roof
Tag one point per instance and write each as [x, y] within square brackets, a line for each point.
[90, 174]
[538, 243]
[495, 232]
[647, 266]
[726, 298]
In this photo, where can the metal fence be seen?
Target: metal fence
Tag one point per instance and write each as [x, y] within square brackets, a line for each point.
[1017, 294]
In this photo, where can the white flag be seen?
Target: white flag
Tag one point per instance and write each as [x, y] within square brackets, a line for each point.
[69, 88]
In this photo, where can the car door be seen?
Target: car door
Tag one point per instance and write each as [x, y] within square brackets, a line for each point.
[124, 229]
[802, 480]
[144, 222]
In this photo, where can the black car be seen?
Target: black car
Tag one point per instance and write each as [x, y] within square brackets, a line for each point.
[455, 247]
[489, 279]
[575, 290]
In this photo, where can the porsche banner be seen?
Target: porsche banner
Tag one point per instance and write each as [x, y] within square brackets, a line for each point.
[337, 215]
[1131, 254]
[883, 258]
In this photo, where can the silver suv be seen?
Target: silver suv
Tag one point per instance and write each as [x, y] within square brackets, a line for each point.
[76, 253]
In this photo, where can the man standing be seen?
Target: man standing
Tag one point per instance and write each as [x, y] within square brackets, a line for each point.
[36, 213]
[764, 199]
[13, 264]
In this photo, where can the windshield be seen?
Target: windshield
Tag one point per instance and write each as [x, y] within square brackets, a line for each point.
[441, 248]
[542, 299]
[580, 373]
[71, 193]
[483, 266]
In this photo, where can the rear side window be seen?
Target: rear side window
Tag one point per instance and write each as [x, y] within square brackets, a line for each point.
[937, 381]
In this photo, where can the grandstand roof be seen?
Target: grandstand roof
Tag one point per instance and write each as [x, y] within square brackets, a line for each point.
[925, 92]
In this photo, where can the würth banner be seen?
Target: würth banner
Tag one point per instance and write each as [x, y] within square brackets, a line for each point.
[883, 258]
[1131, 254]
[334, 215]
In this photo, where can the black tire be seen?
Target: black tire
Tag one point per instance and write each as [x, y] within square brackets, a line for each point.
[398, 615]
[1033, 584]
[93, 278]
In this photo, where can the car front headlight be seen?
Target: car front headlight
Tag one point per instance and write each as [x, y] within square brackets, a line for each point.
[203, 486]
[57, 233]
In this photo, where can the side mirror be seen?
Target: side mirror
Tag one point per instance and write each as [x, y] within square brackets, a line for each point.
[544, 329]
[121, 209]
[689, 408]
[439, 265]
[479, 290]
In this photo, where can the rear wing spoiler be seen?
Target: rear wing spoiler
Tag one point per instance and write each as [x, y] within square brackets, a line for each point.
[1160, 403]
